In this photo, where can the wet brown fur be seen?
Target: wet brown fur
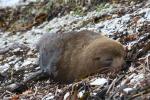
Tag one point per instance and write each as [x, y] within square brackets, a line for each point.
[80, 54]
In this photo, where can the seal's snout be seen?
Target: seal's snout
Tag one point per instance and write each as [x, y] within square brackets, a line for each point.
[118, 64]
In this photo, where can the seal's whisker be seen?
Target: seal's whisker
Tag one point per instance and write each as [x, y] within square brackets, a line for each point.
[103, 70]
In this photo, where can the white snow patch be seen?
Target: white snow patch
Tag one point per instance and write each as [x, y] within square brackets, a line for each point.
[99, 81]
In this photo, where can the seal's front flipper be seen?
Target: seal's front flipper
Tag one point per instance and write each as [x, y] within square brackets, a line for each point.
[22, 86]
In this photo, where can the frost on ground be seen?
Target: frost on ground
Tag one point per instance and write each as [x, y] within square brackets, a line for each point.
[129, 24]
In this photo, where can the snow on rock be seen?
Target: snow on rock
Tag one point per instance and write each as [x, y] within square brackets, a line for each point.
[99, 81]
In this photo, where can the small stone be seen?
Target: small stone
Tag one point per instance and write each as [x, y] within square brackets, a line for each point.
[128, 90]
[66, 95]
[49, 96]
[26, 63]
[16, 50]
[17, 66]
[4, 68]
[16, 87]
[30, 53]
[137, 79]
[99, 81]
[11, 86]
[81, 93]
[132, 3]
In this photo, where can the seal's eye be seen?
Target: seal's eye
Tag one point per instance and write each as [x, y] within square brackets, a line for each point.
[97, 58]
[103, 61]
[107, 61]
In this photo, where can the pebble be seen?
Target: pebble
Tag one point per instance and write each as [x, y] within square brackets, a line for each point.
[99, 81]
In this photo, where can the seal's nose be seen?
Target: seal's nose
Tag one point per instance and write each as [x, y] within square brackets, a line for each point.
[118, 63]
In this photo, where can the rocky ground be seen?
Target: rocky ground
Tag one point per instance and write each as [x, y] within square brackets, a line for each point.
[22, 26]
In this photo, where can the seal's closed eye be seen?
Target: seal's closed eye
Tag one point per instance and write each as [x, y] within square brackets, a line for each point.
[107, 62]
[97, 58]
[104, 61]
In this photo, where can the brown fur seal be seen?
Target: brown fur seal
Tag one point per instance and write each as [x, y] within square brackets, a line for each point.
[75, 55]
[66, 57]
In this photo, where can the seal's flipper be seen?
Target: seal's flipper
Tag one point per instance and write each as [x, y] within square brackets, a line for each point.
[22, 86]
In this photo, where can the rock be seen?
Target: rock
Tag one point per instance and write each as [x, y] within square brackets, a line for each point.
[137, 79]
[99, 81]
[30, 53]
[4, 68]
[17, 66]
[17, 87]
[81, 93]
[66, 95]
[128, 90]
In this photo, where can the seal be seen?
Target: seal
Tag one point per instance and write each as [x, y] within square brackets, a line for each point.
[68, 57]
[75, 55]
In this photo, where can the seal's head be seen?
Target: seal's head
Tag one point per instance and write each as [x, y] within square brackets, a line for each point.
[103, 55]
